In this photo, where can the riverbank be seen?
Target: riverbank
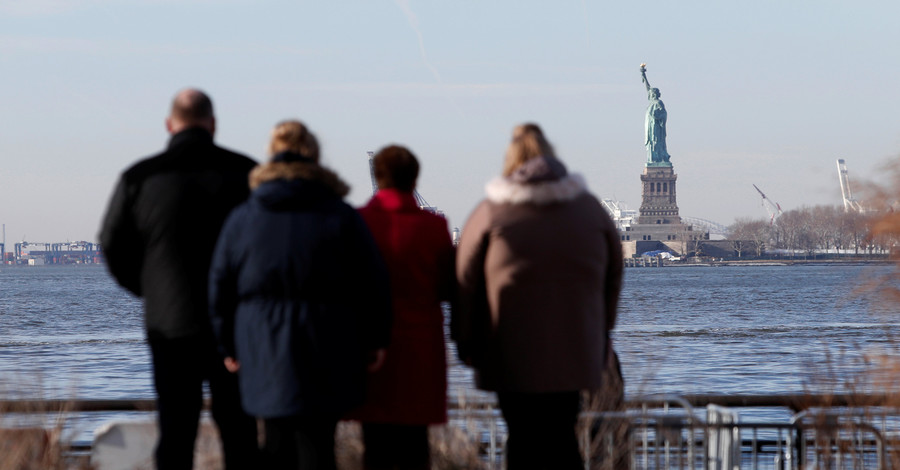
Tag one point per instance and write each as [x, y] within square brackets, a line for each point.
[787, 262]
[646, 262]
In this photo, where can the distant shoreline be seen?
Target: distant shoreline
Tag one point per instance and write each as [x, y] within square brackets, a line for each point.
[54, 265]
[784, 262]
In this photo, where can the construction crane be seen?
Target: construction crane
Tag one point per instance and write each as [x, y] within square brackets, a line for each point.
[850, 204]
[372, 171]
[773, 208]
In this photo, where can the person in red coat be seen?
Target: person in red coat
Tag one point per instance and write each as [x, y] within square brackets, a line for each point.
[409, 392]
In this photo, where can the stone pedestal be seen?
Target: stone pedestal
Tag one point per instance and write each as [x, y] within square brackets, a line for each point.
[658, 203]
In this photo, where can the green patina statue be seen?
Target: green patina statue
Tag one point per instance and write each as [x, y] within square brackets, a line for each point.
[655, 126]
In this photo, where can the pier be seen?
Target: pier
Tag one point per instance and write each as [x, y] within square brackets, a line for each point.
[644, 262]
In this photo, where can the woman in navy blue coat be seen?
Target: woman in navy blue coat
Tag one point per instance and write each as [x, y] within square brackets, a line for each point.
[299, 300]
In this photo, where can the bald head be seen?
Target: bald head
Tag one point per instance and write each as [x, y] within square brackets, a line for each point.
[191, 108]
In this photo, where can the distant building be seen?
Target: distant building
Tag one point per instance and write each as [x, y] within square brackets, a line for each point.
[621, 215]
[36, 254]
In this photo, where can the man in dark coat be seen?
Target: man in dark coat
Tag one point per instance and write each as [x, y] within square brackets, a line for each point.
[158, 236]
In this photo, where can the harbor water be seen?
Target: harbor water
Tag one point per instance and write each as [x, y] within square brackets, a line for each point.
[71, 332]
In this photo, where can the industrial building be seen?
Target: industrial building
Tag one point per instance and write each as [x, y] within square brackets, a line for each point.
[37, 254]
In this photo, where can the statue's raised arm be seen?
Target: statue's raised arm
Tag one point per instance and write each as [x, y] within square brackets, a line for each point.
[644, 77]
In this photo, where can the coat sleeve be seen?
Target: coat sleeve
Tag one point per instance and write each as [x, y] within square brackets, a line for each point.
[614, 274]
[120, 240]
[223, 296]
[470, 322]
[373, 282]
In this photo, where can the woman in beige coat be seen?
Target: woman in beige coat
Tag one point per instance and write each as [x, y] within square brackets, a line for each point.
[540, 269]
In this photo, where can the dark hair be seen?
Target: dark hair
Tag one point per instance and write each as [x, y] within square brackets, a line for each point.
[396, 167]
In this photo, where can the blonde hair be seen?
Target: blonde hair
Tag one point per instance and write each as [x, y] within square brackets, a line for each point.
[528, 142]
[294, 136]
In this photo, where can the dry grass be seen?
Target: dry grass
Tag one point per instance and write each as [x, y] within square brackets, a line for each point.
[35, 447]
[451, 448]
[29, 448]
[40, 448]
[607, 446]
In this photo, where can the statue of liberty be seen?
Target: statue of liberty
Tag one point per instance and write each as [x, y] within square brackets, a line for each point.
[655, 125]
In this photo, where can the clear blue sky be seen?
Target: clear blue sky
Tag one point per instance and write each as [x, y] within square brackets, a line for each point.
[767, 92]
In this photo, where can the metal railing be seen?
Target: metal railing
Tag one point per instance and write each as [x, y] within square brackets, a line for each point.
[667, 432]
[671, 432]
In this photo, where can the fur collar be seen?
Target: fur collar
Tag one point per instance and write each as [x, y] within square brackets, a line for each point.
[297, 170]
[503, 190]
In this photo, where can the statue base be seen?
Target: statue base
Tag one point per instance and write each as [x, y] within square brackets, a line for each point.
[658, 203]
[658, 225]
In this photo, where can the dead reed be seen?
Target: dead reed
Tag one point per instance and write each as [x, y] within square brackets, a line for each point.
[451, 448]
[33, 437]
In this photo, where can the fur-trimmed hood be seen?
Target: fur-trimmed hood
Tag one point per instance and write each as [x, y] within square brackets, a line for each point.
[503, 190]
[290, 171]
[295, 185]
[540, 181]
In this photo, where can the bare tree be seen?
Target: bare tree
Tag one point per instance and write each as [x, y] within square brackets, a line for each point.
[790, 227]
[811, 230]
[747, 234]
[823, 226]
[760, 232]
[857, 230]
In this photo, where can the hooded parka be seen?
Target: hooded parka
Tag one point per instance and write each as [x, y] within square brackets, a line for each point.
[299, 294]
[539, 265]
